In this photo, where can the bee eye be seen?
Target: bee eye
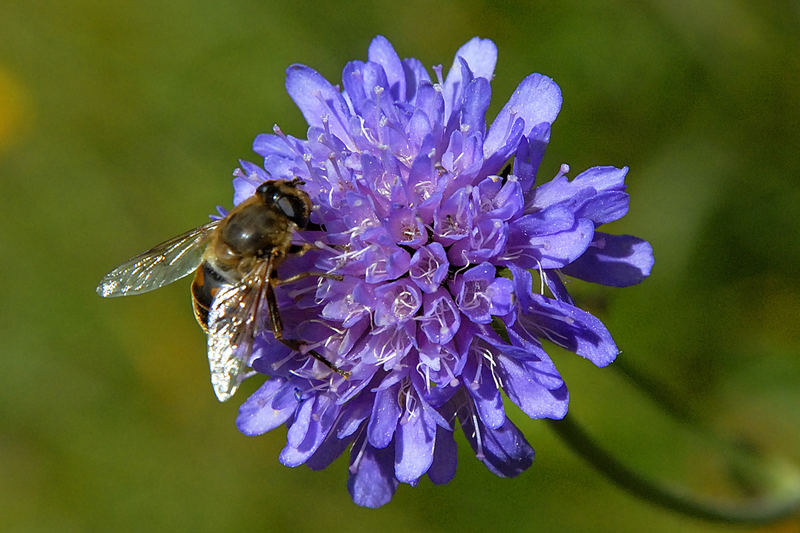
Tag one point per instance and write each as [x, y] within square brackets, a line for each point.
[293, 209]
[263, 189]
[285, 205]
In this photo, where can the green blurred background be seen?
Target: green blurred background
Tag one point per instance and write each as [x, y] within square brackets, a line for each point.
[121, 122]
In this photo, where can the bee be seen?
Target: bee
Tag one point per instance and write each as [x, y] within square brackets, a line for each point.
[235, 261]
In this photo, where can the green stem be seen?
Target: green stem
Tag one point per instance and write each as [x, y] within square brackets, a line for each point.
[742, 454]
[768, 508]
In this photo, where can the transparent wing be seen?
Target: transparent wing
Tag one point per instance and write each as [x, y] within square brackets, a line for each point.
[235, 313]
[167, 262]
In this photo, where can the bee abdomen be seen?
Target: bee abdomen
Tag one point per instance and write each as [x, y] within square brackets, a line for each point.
[205, 286]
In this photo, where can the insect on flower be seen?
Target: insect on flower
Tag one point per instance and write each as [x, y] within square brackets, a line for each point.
[441, 273]
[235, 261]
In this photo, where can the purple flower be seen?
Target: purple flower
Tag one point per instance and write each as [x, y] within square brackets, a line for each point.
[438, 227]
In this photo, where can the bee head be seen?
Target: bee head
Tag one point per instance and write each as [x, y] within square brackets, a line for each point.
[285, 197]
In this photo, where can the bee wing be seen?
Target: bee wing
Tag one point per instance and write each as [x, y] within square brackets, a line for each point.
[232, 321]
[159, 266]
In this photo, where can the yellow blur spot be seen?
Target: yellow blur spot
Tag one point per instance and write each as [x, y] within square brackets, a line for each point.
[14, 109]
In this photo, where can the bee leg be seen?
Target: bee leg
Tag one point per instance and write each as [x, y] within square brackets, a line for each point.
[277, 330]
[300, 249]
[303, 275]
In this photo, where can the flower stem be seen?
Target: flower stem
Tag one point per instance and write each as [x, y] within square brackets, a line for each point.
[783, 502]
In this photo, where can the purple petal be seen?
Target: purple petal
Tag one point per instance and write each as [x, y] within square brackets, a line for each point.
[480, 55]
[406, 228]
[602, 178]
[453, 219]
[544, 222]
[486, 240]
[256, 414]
[329, 451]
[429, 267]
[561, 323]
[354, 413]
[445, 457]
[479, 294]
[605, 207]
[415, 74]
[532, 382]
[430, 102]
[246, 180]
[414, 445]
[342, 435]
[547, 243]
[384, 418]
[537, 99]
[480, 383]
[556, 286]
[302, 445]
[529, 155]
[317, 99]
[386, 263]
[497, 198]
[582, 189]
[353, 84]
[469, 290]
[371, 482]
[463, 158]
[562, 248]
[268, 144]
[396, 302]
[302, 420]
[476, 101]
[441, 319]
[504, 450]
[494, 161]
[382, 52]
[615, 260]
[418, 128]
[501, 294]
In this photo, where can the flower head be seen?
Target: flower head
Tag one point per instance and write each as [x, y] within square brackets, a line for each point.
[437, 225]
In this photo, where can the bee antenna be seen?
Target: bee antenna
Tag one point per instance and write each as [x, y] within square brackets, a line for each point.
[296, 181]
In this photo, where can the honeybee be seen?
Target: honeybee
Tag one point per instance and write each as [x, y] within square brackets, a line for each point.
[235, 262]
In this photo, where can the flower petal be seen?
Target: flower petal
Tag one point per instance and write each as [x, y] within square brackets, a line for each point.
[414, 445]
[445, 457]
[529, 155]
[300, 448]
[615, 260]
[546, 244]
[561, 323]
[476, 101]
[441, 319]
[480, 383]
[342, 435]
[562, 248]
[416, 74]
[537, 99]
[605, 207]
[318, 99]
[584, 188]
[532, 382]
[480, 56]
[385, 415]
[504, 450]
[256, 414]
[556, 286]
[382, 53]
[371, 482]
[429, 267]
[605, 178]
